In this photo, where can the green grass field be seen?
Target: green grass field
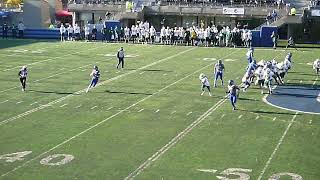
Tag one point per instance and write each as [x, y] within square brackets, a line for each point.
[149, 120]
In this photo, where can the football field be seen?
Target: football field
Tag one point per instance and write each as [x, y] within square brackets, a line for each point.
[149, 121]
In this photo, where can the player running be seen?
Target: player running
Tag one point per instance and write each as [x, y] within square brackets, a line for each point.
[95, 78]
[204, 83]
[316, 66]
[218, 72]
[23, 73]
[250, 55]
[233, 91]
[120, 56]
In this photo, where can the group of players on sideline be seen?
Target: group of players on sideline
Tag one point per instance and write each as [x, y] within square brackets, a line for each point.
[143, 32]
[266, 74]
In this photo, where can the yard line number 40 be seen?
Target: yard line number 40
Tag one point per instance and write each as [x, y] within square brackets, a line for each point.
[51, 160]
[242, 174]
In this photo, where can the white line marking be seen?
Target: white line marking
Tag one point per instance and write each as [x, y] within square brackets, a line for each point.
[157, 110]
[142, 72]
[94, 107]
[207, 170]
[315, 81]
[4, 101]
[310, 122]
[109, 108]
[19, 102]
[100, 84]
[50, 59]
[277, 147]
[140, 110]
[174, 141]
[114, 115]
[301, 81]
[165, 74]
[274, 118]
[240, 116]
[257, 117]
[318, 98]
[63, 105]
[173, 112]
[78, 106]
[189, 113]
[222, 116]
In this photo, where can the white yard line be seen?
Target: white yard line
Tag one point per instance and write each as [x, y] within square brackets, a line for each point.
[174, 141]
[99, 84]
[116, 114]
[277, 147]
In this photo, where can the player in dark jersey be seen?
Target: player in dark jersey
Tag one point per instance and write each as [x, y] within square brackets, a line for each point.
[95, 78]
[233, 91]
[23, 73]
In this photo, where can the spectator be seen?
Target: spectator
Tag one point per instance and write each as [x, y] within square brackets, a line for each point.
[21, 29]
[275, 38]
[274, 15]
[14, 31]
[76, 32]
[5, 29]
[70, 33]
[94, 33]
[293, 11]
[62, 32]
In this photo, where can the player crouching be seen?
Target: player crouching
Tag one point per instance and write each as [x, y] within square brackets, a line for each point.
[233, 91]
[316, 66]
[95, 78]
[204, 83]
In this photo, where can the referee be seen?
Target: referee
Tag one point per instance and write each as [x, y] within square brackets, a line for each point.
[120, 56]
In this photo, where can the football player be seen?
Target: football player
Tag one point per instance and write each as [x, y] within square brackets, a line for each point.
[23, 73]
[204, 83]
[316, 66]
[218, 72]
[95, 74]
[233, 91]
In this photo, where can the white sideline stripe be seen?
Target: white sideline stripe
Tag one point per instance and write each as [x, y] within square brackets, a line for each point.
[240, 116]
[83, 90]
[114, 115]
[50, 59]
[157, 110]
[274, 118]
[63, 105]
[140, 110]
[4, 101]
[277, 147]
[94, 107]
[174, 141]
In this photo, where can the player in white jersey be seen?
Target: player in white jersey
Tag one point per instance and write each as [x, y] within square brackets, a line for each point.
[70, 33]
[167, 32]
[233, 91]
[133, 34]
[316, 66]
[260, 78]
[268, 76]
[163, 35]
[246, 81]
[23, 73]
[126, 34]
[152, 34]
[204, 83]
[62, 32]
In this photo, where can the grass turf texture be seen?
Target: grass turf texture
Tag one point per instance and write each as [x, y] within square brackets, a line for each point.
[132, 116]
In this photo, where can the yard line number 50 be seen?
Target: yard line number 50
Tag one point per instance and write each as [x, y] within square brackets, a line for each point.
[242, 174]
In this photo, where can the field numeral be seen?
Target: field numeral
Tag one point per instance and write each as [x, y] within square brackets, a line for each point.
[292, 175]
[18, 156]
[51, 160]
[242, 173]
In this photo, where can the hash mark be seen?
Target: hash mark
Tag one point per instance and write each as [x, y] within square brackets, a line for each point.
[274, 118]
[257, 117]
[240, 116]
[63, 105]
[19, 102]
[189, 113]
[94, 107]
[140, 110]
[157, 110]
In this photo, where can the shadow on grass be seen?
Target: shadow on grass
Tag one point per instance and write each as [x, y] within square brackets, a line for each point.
[267, 112]
[129, 93]
[51, 92]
